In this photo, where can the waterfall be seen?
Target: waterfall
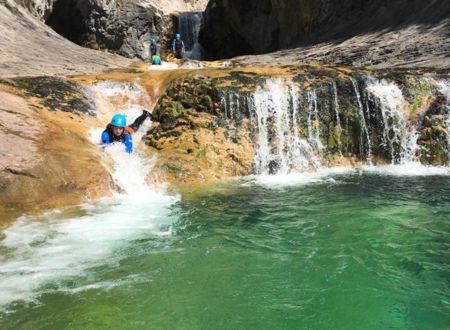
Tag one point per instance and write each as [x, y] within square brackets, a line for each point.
[368, 152]
[189, 26]
[291, 125]
[338, 119]
[50, 252]
[399, 134]
[275, 111]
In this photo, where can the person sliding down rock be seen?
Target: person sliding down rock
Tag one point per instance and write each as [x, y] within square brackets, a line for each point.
[118, 131]
[178, 48]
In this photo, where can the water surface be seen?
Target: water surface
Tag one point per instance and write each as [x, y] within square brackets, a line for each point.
[346, 251]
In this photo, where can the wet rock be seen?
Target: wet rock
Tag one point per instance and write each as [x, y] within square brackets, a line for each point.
[352, 124]
[46, 161]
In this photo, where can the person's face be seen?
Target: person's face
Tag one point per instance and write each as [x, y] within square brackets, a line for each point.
[118, 131]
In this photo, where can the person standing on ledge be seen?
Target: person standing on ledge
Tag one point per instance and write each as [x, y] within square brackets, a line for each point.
[154, 49]
[118, 131]
[178, 48]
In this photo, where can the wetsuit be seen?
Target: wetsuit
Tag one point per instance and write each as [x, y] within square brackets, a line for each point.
[126, 138]
[153, 50]
[156, 60]
[178, 48]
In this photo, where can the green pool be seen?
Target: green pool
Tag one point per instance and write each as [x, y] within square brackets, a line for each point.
[348, 251]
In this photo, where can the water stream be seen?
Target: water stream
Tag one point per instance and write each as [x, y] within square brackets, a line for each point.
[189, 26]
[41, 253]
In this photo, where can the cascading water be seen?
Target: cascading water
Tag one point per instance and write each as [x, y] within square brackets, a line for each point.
[338, 120]
[368, 150]
[44, 253]
[399, 134]
[275, 110]
[290, 138]
[189, 25]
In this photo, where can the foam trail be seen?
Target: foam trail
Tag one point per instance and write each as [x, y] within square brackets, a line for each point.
[44, 251]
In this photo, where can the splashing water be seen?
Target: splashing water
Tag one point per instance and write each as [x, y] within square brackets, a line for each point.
[45, 252]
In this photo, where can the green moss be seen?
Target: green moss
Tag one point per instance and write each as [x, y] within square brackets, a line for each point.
[56, 94]
[201, 153]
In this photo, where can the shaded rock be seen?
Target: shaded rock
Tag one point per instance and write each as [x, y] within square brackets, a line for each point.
[124, 27]
[377, 34]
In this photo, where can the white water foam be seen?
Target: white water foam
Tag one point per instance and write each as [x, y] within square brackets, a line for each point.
[407, 169]
[298, 179]
[331, 174]
[165, 66]
[40, 253]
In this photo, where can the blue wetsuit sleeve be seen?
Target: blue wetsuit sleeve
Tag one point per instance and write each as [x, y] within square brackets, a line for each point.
[128, 143]
[173, 46]
[105, 137]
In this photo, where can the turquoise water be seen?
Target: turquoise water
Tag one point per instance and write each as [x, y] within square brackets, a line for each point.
[346, 252]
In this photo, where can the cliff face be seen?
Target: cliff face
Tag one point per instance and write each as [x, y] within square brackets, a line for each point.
[31, 48]
[387, 28]
[122, 26]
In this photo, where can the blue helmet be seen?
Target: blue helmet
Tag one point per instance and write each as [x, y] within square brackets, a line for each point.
[178, 35]
[119, 120]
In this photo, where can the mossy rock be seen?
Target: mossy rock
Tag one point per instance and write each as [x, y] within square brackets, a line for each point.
[167, 113]
[56, 94]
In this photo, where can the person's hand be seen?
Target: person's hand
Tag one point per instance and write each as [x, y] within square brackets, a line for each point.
[147, 113]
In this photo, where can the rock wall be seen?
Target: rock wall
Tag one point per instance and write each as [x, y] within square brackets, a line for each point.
[121, 26]
[238, 122]
[234, 27]
[31, 48]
